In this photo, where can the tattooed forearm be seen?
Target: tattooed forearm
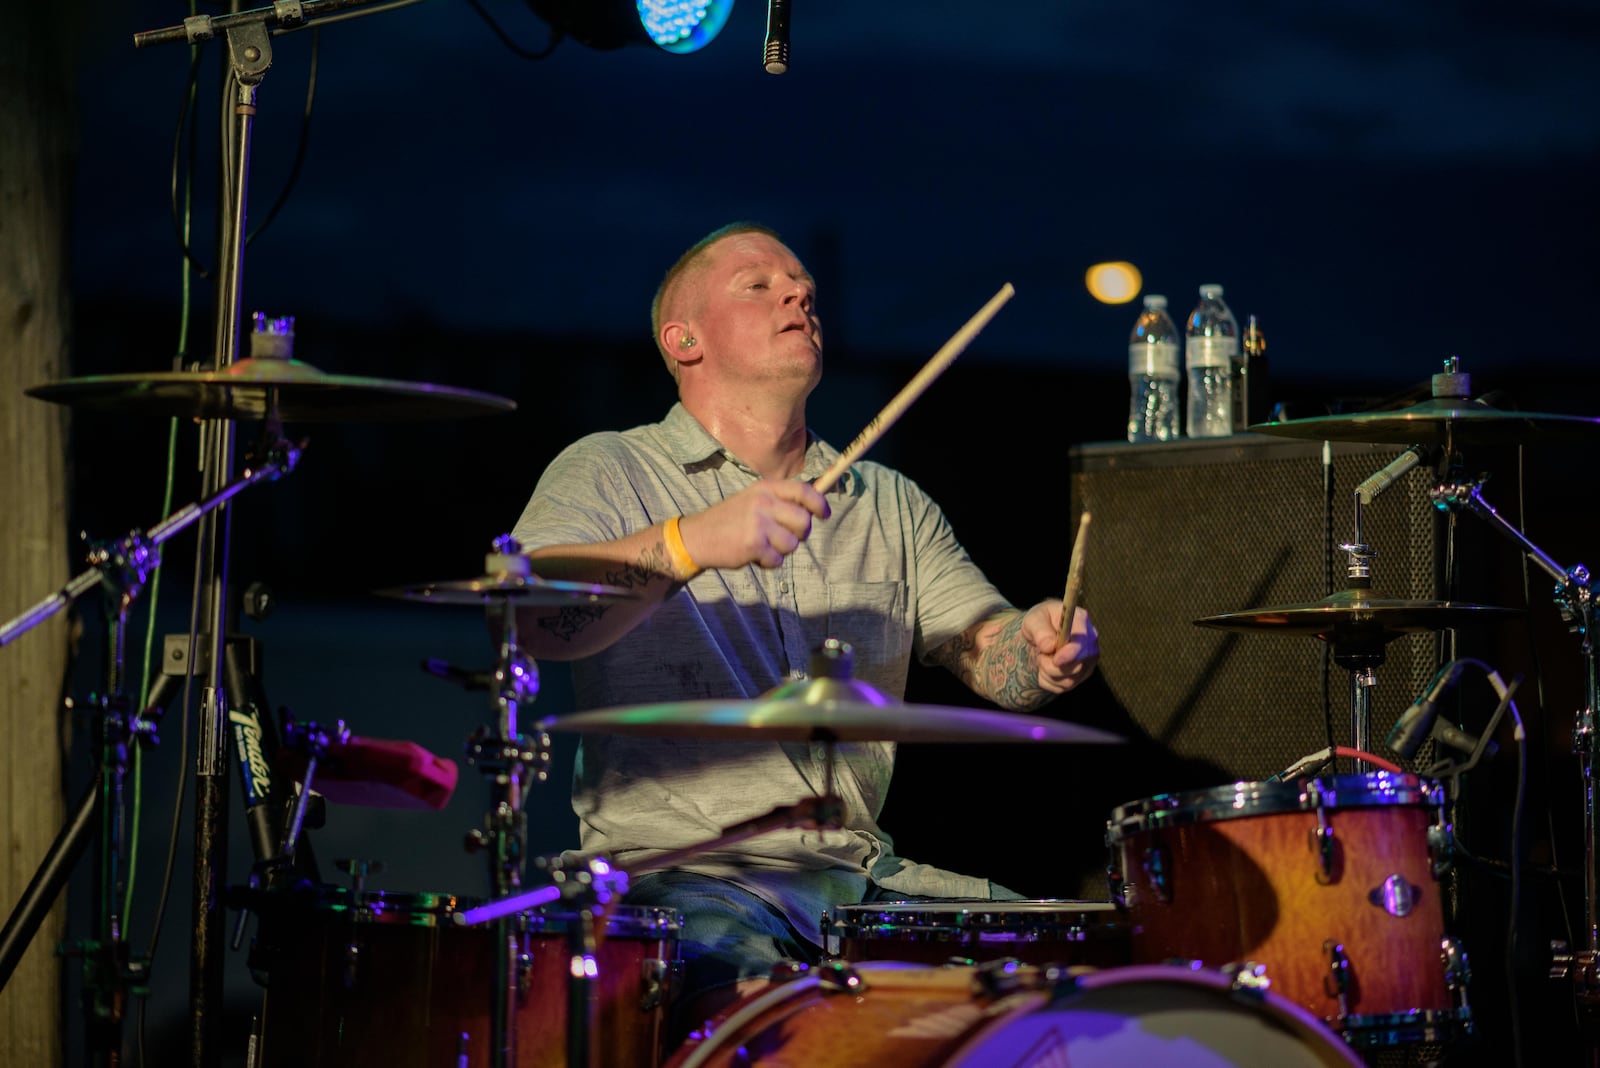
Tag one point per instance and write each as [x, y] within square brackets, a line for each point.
[568, 622]
[996, 662]
[652, 564]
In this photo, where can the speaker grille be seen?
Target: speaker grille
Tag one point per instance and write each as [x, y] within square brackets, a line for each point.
[1185, 530]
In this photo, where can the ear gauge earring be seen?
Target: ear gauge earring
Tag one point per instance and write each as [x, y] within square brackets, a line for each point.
[686, 343]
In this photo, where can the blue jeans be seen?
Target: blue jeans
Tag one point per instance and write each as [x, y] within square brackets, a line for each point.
[728, 934]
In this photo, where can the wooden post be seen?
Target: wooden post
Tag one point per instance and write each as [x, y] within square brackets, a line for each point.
[36, 130]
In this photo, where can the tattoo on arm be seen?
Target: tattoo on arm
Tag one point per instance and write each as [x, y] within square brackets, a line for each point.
[569, 621]
[651, 566]
[996, 662]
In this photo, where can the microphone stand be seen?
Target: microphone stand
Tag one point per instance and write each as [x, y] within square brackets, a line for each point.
[111, 972]
[1574, 598]
[249, 56]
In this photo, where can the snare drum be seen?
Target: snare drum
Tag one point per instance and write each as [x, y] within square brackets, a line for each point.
[383, 978]
[933, 932]
[1331, 884]
[966, 1016]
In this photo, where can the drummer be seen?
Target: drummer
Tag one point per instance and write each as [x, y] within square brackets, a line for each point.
[741, 570]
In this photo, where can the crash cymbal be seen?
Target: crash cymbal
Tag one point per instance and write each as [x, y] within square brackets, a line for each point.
[1356, 612]
[528, 591]
[825, 709]
[841, 721]
[1436, 421]
[250, 388]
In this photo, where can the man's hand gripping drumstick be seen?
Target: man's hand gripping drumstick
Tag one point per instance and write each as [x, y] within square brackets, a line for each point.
[1069, 599]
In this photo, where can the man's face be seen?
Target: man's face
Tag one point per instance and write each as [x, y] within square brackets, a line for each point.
[756, 318]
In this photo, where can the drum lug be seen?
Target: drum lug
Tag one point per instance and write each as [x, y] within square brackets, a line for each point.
[352, 961]
[997, 978]
[660, 978]
[1336, 984]
[839, 977]
[1394, 895]
[1248, 977]
[1322, 844]
[1441, 848]
[1457, 971]
[1157, 865]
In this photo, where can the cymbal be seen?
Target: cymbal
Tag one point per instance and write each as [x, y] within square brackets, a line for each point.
[1356, 612]
[529, 591]
[1435, 421]
[823, 709]
[251, 388]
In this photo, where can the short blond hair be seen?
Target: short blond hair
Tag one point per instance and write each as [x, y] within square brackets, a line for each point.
[686, 271]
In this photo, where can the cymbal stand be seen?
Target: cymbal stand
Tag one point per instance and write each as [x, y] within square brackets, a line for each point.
[510, 762]
[1574, 597]
[123, 567]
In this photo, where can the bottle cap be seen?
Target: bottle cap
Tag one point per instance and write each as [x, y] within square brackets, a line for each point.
[1211, 291]
[1155, 302]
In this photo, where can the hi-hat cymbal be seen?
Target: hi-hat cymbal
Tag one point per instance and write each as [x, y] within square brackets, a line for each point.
[825, 709]
[1357, 613]
[1437, 421]
[252, 388]
[529, 591]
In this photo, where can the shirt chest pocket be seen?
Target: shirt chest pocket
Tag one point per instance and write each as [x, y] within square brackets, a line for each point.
[872, 617]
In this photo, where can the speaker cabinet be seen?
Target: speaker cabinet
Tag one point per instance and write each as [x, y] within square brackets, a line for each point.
[1192, 529]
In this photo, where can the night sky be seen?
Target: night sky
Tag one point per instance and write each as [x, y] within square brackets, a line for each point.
[1382, 184]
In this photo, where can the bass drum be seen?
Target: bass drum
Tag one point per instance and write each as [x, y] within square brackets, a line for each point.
[965, 1016]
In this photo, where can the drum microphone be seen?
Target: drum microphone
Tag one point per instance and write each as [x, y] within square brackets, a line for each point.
[1415, 724]
[776, 56]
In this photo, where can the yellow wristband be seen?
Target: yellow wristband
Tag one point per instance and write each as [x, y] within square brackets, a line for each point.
[683, 566]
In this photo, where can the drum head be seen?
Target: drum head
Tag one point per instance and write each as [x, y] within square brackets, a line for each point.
[1159, 1015]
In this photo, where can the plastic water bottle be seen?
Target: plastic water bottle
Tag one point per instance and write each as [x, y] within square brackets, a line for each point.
[1211, 347]
[1153, 374]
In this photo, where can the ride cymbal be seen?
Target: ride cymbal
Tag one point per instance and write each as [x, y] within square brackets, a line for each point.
[1357, 612]
[253, 388]
[825, 708]
[1437, 421]
[529, 591]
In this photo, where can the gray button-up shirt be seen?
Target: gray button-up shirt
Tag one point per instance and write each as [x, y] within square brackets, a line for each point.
[883, 573]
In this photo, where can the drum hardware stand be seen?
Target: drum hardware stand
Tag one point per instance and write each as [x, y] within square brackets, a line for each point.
[1574, 598]
[511, 762]
[111, 973]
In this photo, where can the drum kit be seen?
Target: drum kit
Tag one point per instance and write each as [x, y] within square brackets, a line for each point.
[1308, 912]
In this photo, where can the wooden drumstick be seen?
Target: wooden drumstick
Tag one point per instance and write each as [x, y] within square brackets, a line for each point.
[913, 389]
[1069, 599]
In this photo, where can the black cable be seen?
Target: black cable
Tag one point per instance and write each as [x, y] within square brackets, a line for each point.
[556, 35]
[1516, 886]
[185, 116]
[1327, 582]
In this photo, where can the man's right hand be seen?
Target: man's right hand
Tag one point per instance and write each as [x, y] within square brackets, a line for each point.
[761, 525]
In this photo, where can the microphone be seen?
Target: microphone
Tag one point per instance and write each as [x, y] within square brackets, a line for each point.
[776, 55]
[1376, 483]
[1415, 724]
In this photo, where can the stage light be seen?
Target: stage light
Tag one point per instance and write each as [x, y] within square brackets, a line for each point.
[680, 26]
[1113, 283]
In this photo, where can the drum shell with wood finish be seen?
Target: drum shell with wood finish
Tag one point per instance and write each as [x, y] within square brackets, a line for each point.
[972, 1016]
[1043, 931]
[1319, 880]
[386, 978]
